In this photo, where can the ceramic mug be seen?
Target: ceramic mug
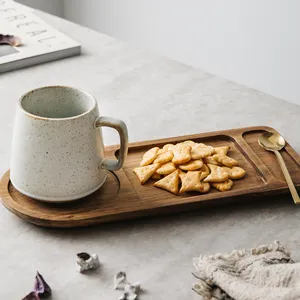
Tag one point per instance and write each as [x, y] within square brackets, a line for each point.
[57, 148]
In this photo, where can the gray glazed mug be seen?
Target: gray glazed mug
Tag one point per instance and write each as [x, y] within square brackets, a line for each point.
[57, 147]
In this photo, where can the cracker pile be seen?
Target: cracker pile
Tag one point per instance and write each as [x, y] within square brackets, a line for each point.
[189, 167]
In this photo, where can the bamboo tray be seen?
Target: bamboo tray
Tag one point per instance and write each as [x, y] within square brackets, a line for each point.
[124, 198]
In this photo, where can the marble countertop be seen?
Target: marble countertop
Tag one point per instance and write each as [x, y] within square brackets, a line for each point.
[157, 98]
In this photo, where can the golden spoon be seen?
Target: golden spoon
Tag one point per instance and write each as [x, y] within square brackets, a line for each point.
[275, 142]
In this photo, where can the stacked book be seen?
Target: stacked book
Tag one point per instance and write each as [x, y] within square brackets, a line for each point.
[39, 41]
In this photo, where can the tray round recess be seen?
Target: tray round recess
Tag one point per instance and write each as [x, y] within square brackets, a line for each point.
[78, 213]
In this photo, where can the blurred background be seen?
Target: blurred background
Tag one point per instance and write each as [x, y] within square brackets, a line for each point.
[252, 42]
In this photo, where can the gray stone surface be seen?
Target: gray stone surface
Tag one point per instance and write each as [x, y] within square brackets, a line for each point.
[157, 98]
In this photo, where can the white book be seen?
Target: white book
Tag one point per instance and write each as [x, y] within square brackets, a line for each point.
[40, 42]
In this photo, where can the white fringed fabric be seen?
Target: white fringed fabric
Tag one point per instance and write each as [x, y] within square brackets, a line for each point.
[262, 273]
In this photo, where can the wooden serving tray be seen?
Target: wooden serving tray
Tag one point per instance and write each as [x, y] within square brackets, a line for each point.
[129, 199]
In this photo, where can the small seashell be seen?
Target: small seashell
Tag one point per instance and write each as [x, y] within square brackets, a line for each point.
[10, 40]
[86, 261]
[120, 281]
[131, 291]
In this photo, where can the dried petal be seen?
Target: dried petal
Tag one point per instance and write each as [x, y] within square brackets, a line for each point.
[32, 296]
[120, 281]
[41, 287]
[132, 288]
[10, 40]
[86, 261]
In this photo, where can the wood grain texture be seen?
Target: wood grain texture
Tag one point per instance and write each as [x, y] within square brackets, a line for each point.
[130, 200]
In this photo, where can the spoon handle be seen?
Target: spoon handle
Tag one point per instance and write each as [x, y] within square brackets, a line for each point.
[288, 178]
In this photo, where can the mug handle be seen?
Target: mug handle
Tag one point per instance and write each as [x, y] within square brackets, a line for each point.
[120, 126]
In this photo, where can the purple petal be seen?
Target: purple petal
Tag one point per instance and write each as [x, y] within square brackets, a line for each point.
[41, 287]
[32, 296]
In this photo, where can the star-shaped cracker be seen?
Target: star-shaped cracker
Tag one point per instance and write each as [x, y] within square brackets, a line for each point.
[190, 182]
[169, 183]
[144, 173]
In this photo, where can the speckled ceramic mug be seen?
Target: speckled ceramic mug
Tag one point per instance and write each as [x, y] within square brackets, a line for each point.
[57, 148]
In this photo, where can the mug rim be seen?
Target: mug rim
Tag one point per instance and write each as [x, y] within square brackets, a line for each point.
[56, 119]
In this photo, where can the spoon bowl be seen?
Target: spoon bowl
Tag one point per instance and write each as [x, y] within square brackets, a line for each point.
[271, 141]
[274, 142]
